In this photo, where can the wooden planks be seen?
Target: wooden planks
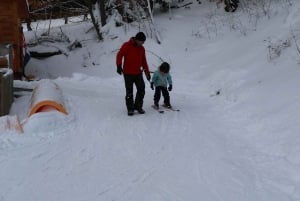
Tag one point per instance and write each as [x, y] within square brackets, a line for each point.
[9, 22]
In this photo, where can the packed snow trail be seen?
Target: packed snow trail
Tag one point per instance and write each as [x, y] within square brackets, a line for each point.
[150, 156]
[230, 141]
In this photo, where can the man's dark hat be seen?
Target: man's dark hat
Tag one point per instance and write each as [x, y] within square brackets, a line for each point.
[140, 36]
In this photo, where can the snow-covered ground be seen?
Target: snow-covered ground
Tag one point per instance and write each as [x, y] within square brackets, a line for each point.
[235, 138]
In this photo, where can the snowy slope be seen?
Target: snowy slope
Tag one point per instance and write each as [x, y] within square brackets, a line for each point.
[234, 139]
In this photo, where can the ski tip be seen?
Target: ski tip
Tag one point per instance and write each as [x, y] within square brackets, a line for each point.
[171, 108]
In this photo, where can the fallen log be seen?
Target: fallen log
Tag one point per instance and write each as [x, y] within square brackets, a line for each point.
[42, 55]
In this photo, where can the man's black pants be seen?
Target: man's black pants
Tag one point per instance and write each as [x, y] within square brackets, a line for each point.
[139, 83]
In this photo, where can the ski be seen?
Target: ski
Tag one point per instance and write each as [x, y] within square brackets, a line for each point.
[157, 109]
[171, 108]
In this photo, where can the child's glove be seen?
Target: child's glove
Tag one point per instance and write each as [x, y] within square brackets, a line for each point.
[170, 87]
[152, 87]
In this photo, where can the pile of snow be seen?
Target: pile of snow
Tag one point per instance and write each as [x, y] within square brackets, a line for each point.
[235, 137]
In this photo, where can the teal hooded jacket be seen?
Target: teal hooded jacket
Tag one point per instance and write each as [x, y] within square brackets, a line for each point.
[161, 79]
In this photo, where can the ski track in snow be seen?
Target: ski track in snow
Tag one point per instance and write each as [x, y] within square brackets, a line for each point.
[157, 148]
[217, 148]
[152, 138]
[155, 141]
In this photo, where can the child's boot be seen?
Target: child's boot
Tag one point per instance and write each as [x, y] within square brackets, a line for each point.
[167, 105]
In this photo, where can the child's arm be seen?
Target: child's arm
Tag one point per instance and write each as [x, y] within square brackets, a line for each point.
[169, 79]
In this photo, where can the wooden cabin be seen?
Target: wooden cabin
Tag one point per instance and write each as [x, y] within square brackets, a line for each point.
[12, 12]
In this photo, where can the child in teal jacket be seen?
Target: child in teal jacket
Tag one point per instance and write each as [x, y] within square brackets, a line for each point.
[160, 80]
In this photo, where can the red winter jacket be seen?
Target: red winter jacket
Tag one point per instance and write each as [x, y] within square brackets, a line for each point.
[134, 58]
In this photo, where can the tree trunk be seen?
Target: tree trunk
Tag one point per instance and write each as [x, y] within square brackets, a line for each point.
[102, 11]
[95, 23]
[28, 24]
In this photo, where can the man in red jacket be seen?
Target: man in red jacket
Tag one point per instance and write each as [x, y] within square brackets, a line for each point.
[132, 53]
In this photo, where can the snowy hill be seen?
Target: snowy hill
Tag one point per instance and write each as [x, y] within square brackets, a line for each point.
[234, 139]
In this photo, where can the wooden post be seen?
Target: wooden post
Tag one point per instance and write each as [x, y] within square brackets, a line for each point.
[6, 90]
[6, 79]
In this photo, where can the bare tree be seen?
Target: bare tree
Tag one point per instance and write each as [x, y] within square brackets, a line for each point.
[94, 21]
[50, 9]
[102, 11]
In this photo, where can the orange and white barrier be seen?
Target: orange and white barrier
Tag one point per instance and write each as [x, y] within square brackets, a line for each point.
[47, 96]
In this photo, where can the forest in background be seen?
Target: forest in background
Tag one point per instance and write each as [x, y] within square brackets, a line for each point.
[140, 11]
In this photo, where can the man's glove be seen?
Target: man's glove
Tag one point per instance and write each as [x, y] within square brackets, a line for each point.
[148, 76]
[170, 87]
[119, 69]
[152, 87]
